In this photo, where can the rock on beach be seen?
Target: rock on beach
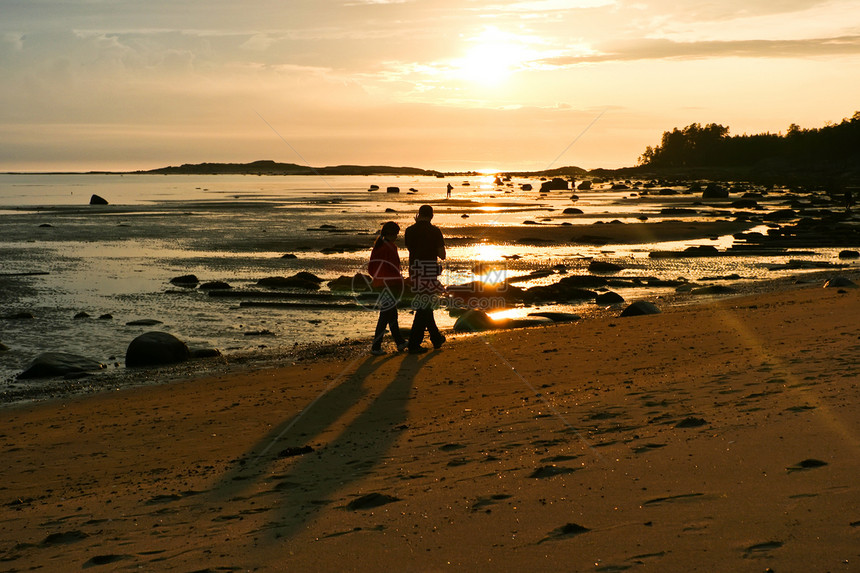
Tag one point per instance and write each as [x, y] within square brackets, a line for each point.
[640, 308]
[49, 364]
[474, 321]
[840, 282]
[155, 349]
[185, 281]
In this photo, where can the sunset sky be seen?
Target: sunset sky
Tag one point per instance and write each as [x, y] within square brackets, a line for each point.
[441, 84]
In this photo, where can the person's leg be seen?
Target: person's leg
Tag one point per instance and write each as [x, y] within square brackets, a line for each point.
[381, 323]
[419, 323]
[391, 322]
[394, 326]
[436, 337]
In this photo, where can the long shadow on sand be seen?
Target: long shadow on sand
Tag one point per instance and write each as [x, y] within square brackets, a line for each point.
[290, 489]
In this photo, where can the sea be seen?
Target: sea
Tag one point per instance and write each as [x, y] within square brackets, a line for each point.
[89, 274]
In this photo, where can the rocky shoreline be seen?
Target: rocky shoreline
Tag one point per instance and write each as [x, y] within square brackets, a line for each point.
[797, 220]
[96, 378]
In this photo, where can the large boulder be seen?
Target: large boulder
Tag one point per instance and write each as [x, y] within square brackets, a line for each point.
[19, 316]
[215, 285]
[604, 267]
[359, 282]
[714, 191]
[189, 281]
[474, 321]
[639, 308]
[155, 349]
[97, 200]
[557, 316]
[288, 282]
[560, 291]
[840, 282]
[780, 215]
[583, 281]
[306, 276]
[555, 184]
[607, 298]
[50, 364]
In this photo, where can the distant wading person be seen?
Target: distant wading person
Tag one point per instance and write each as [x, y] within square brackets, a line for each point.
[384, 269]
[426, 247]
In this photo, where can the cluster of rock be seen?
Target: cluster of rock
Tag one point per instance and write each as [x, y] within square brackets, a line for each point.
[476, 320]
[149, 349]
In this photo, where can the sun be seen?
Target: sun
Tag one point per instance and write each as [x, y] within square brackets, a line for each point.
[493, 57]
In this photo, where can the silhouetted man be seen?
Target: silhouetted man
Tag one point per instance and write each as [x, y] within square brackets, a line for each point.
[426, 247]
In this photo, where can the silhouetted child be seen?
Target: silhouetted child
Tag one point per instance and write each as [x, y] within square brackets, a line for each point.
[384, 268]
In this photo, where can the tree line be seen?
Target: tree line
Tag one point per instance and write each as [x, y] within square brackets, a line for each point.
[712, 146]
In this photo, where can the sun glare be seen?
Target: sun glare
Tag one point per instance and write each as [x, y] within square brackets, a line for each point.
[494, 56]
[487, 253]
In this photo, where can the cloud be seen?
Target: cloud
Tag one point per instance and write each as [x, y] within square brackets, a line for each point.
[538, 6]
[659, 49]
[672, 10]
[375, 2]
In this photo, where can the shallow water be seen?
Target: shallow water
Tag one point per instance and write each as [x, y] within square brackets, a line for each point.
[119, 259]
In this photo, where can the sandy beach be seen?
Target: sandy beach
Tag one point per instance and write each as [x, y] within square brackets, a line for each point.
[716, 437]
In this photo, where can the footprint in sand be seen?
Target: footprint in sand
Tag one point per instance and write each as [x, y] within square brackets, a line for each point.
[483, 502]
[806, 464]
[761, 549]
[64, 538]
[565, 531]
[551, 471]
[370, 501]
[675, 498]
[452, 447]
[104, 560]
[647, 448]
[691, 422]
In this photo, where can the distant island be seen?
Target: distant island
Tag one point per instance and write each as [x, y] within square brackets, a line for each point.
[268, 167]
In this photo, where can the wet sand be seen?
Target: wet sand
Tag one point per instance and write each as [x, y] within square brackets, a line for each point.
[716, 437]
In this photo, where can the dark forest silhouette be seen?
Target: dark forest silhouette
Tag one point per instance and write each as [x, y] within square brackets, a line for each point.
[834, 145]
